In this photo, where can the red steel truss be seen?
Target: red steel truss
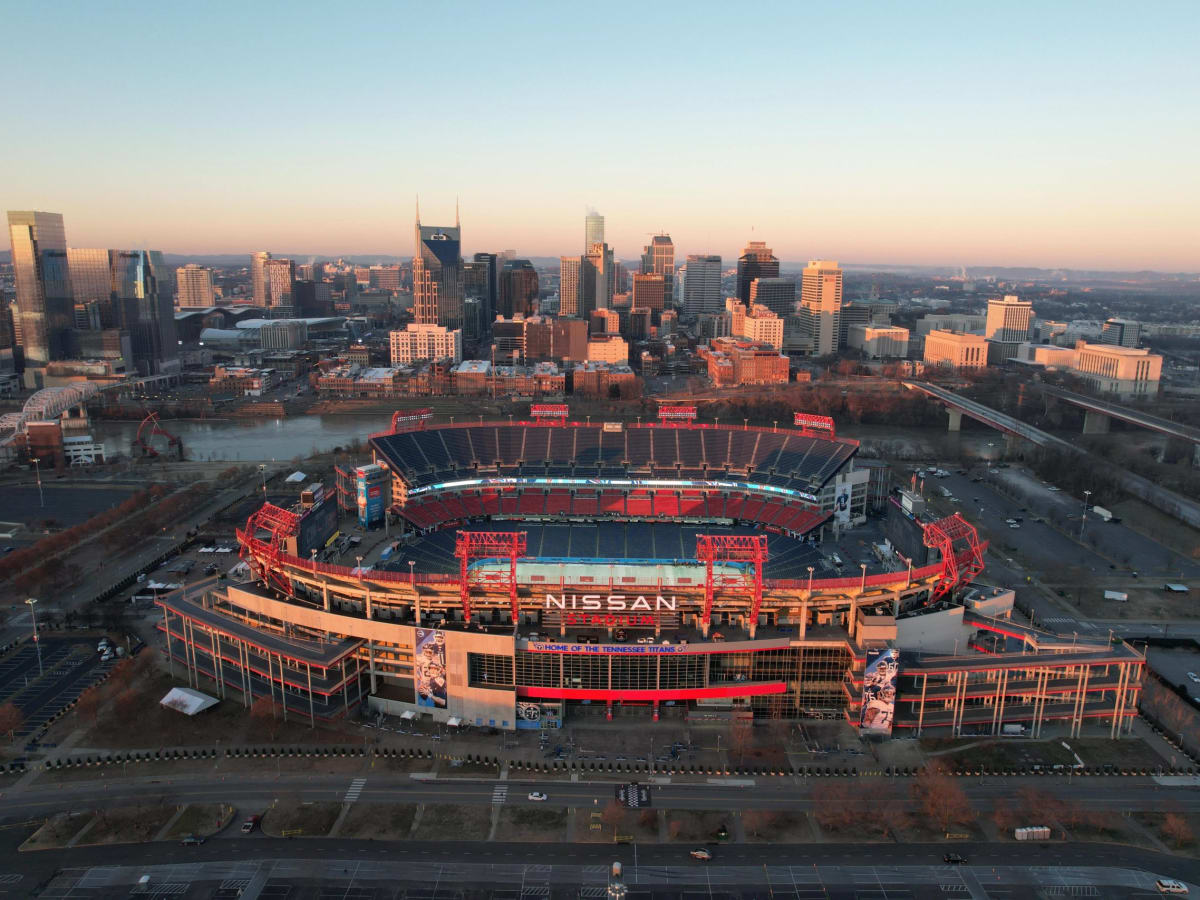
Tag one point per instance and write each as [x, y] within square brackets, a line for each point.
[711, 548]
[410, 419]
[469, 545]
[962, 553]
[281, 524]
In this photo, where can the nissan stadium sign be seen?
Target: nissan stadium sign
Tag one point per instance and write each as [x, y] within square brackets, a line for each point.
[607, 649]
[610, 610]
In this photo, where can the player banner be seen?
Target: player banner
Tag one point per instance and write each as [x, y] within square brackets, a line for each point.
[879, 691]
[429, 661]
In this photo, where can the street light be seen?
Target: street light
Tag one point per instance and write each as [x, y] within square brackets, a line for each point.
[37, 468]
[810, 574]
[32, 601]
[262, 471]
[1083, 516]
[863, 587]
[412, 573]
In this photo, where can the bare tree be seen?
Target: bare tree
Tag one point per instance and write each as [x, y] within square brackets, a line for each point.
[1176, 829]
[613, 815]
[941, 799]
[11, 718]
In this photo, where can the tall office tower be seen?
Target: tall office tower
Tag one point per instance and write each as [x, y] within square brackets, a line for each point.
[603, 273]
[143, 289]
[702, 285]
[195, 286]
[279, 277]
[756, 261]
[45, 305]
[518, 288]
[821, 305]
[1009, 319]
[776, 294]
[649, 292]
[573, 287]
[258, 277]
[438, 274]
[91, 284]
[593, 230]
[481, 279]
[658, 258]
[312, 298]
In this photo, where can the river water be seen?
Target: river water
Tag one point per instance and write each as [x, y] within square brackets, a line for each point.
[257, 440]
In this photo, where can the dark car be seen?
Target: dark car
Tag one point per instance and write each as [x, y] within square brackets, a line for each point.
[954, 859]
[192, 840]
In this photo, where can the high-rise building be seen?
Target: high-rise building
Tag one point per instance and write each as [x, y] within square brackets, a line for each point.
[195, 286]
[279, 280]
[45, 305]
[955, 350]
[756, 261]
[1008, 320]
[821, 306]
[518, 288]
[603, 272]
[702, 285]
[572, 287]
[481, 279]
[593, 229]
[438, 274]
[776, 294]
[658, 258]
[649, 292]
[384, 278]
[258, 277]
[1121, 332]
[91, 285]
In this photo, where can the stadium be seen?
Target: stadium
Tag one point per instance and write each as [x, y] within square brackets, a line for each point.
[549, 569]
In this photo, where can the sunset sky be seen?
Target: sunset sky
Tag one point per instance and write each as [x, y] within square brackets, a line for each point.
[1048, 134]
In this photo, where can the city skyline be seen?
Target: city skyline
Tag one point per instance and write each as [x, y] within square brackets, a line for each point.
[923, 135]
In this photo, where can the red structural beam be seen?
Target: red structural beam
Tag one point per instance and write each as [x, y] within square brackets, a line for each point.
[822, 426]
[471, 545]
[962, 553]
[677, 411]
[410, 419]
[750, 548]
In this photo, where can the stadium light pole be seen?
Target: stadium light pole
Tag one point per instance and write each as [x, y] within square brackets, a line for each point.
[32, 602]
[863, 587]
[810, 575]
[412, 572]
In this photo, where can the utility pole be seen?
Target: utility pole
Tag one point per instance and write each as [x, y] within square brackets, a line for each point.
[32, 601]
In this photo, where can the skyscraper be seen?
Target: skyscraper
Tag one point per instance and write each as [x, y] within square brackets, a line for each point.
[658, 258]
[649, 292]
[572, 287]
[1009, 320]
[518, 288]
[91, 285]
[756, 261]
[593, 229]
[195, 286]
[437, 274]
[776, 294]
[481, 280]
[258, 277]
[702, 285]
[603, 271]
[143, 292]
[45, 304]
[821, 305]
[279, 281]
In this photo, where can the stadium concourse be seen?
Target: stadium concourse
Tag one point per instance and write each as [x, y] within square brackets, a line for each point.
[549, 570]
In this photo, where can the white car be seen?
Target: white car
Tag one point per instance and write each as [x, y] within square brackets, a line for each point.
[1170, 886]
[1014, 525]
[701, 854]
[1192, 676]
[537, 796]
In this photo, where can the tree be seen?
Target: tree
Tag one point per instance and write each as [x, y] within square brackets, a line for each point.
[760, 822]
[1176, 829]
[262, 712]
[741, 736]
[11, 718]
[613, 815]
[941, 799]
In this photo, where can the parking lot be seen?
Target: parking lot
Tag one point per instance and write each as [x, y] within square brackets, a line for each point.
[70, 665]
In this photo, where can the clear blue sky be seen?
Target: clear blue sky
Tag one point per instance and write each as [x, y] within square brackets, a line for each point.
[1047, 133]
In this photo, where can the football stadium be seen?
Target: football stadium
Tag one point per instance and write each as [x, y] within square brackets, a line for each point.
[543, 570]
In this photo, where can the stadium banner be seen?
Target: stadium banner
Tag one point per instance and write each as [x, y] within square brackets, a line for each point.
[613, 427]
[430, 665]
[680, 411]
[548, 410]
[609, 649]
[879, 692]
[810, 422]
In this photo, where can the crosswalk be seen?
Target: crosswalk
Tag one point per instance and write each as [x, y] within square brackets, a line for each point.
[500, 793]
[355, 789]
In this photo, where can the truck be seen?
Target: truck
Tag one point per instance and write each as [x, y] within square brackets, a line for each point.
[1119, 596]
[1102, 514]
[1012, 730]
[1032, 833]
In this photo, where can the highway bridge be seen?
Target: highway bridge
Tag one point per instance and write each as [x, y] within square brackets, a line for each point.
[1100, 411]
[1159, 497]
